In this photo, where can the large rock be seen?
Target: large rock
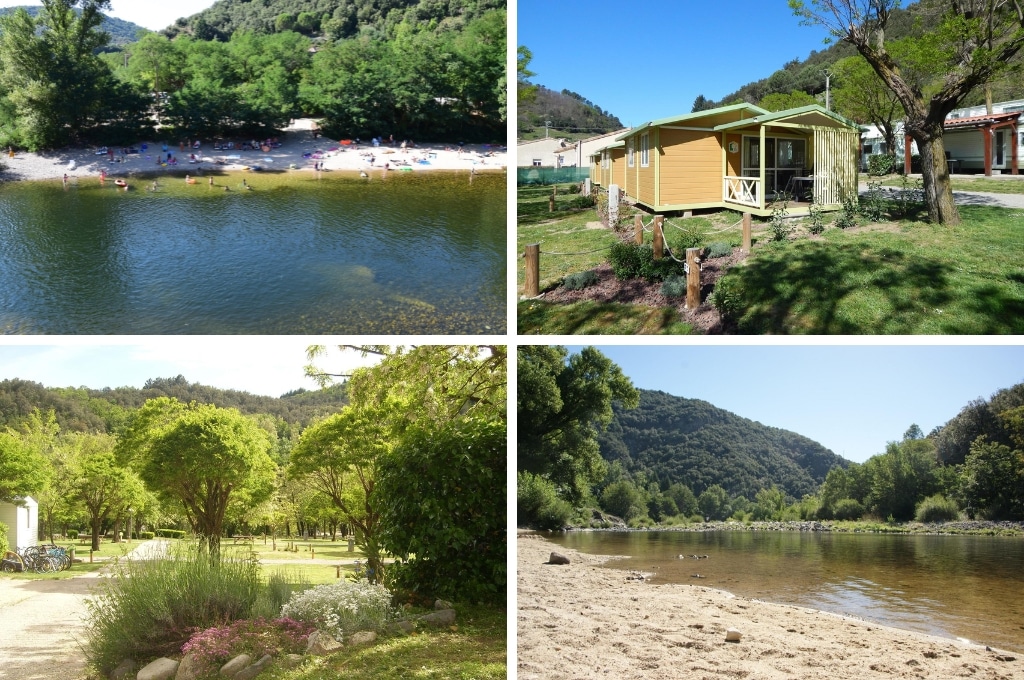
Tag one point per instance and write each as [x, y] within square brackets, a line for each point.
[404, 627]
[441, 619]
[442, 604]
[733, 635]
[291, 660]
[557, 558]
[161, 669]
[321, 643]
[233, 667]
[255, 669]
[188, 669]
[125, 669]
[363, 637]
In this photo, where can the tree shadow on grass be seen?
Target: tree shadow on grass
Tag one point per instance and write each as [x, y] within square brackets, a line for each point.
[821, 288]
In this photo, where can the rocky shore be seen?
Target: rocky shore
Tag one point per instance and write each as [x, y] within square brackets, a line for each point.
[582, 621]
[980, 527]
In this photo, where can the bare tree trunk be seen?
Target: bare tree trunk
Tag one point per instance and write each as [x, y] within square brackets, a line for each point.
[938, 192]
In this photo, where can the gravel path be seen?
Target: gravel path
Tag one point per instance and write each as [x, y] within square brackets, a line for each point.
[974, 197]
[41, 623]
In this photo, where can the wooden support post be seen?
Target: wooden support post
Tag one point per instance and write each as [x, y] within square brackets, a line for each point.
[693, 278]
[90, 555]
[312, 553]
[659, 237]
[987, 134]
[746, 233]
[337, 571]
[1013, 150]
[638, 230]
[532, 282]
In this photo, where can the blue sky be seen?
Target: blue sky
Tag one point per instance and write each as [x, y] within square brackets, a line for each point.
[648, 59]
[261, 365]
[149, 14]
[851, 399]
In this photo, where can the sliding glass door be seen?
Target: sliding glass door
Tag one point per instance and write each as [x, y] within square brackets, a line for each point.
[785, 158]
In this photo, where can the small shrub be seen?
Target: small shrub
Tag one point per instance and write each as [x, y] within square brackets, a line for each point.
[937, 508]
[575, 188]
[691, 235]
[4, 544]
[341, 608]
[170, 533]
[719, 249]
[579, 280]
[696, 519]
[814, 213]
[848, 508]
[146, 535]
[626, 260]
[538, 504]
[215, 646]
[150, 608]
[847, 216]
[674, 286]
[778, 227]
[580, 203]
[73, 534]
[908, 200]
[881, 164]
[727, 297]
[874, 203]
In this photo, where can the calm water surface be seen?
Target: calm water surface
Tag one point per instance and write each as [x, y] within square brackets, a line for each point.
[956, 586]
[413, 253]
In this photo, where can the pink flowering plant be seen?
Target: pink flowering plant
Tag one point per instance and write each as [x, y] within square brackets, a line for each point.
[216, 646]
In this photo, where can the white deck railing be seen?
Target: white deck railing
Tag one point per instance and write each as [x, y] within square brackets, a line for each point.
[743, 190]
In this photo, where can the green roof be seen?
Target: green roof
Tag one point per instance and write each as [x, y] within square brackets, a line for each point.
[671, 120]
[768, 117]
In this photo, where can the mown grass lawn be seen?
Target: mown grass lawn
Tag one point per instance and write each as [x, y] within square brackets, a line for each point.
[912, 278]
[594, 318]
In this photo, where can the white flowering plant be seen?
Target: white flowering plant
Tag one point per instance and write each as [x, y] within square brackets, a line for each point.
[342, 608]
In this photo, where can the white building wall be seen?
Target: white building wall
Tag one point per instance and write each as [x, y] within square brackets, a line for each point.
[22, 523]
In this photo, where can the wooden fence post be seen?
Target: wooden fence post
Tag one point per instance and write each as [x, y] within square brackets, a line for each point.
[551, 199]
[693, 278]
[532, 283]
[746, 233]
[659, 237]
[638, 230]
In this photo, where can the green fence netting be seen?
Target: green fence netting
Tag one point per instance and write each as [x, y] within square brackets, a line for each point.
[551, 175]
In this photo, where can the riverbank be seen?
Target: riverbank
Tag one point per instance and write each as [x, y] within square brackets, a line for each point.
[956, 528]
[298, 150]
[582, 620]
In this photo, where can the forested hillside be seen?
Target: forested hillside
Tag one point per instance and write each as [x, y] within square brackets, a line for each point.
[331, 18]
[567, 114]
[121, 32]
[673, 439]
[433, 73]
[81, 409]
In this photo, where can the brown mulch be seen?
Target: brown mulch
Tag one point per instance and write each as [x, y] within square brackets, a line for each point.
[704, 318]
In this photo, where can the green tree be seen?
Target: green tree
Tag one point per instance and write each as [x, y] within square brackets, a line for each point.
[525, 91]
[23, 470]
[684, 499]
[713, 503]
[443, 509]
[769, 503]
[58, 91]
[993, 473]
[701, 103]
[203, 458]
[975, 41]
[623, 499]
[778, 101]
[862, 96]
[562, 400]
[101, 485]
[901, 477]
[338, 456]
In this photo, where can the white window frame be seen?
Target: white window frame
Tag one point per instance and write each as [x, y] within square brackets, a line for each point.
[645, 150]
[629, 152]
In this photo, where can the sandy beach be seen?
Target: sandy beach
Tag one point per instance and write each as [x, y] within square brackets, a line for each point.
[299, 150]
[583, 620]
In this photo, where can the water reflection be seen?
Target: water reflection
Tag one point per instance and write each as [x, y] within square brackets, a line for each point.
[955, 586]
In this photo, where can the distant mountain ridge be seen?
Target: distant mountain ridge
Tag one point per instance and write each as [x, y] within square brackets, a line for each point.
[568, 113]
[676, 439]
[121, 32]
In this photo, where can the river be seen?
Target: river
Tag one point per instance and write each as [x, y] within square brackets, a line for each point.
[412, 253]
[954, 586]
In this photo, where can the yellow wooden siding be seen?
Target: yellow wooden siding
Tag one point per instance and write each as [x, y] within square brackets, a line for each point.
[734, 160]
[618, 173]
[691, 167]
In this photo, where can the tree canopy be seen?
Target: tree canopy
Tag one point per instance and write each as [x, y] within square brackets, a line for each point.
[562, 400]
